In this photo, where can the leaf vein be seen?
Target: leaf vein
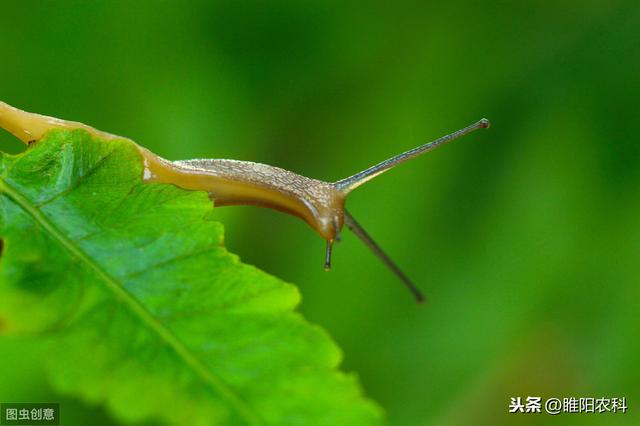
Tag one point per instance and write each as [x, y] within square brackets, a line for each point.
[199, 369]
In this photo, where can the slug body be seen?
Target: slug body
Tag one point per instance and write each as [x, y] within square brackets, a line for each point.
[230, 182]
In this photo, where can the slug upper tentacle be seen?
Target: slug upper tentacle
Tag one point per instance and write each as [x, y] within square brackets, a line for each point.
[232, 182]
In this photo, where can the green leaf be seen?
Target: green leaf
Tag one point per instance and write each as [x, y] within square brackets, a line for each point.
[143, 307]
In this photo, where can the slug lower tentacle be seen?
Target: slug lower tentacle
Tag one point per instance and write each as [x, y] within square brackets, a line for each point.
[231, 182]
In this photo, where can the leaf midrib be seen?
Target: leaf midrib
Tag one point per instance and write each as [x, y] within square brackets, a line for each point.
[137, 308]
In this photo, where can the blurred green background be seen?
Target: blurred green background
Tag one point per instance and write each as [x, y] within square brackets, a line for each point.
[525, 238]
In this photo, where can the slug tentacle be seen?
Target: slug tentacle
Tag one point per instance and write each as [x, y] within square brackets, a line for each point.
[352, 182]
[354, 226]
[327, 255]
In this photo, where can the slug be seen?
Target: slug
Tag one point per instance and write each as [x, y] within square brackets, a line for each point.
[231, 182]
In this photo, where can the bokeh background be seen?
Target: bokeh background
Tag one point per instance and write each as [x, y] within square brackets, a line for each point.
[525, 238]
